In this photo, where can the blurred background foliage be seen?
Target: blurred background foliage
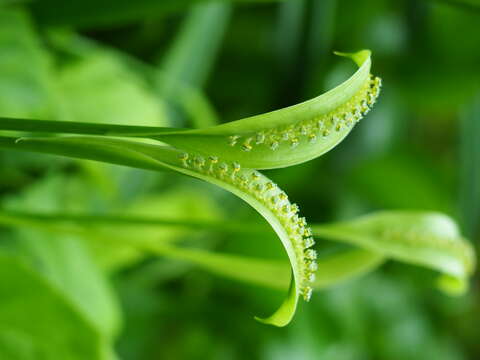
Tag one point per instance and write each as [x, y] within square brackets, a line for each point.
[198, 63]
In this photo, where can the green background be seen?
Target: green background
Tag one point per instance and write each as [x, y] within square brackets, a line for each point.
[196, 63]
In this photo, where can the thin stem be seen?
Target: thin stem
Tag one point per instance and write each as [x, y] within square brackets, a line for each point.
[72, 127]
[20, 217]
[9, 217]
[334, 268]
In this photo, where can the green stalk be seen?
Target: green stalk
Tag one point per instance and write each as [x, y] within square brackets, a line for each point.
[72, 127]
[9, 217]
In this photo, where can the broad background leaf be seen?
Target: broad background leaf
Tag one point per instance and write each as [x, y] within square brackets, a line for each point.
[36, 321]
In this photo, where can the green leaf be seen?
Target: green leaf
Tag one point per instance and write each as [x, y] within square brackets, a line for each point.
[251, 186]
[372, 232]
[182, 94]
[99, 88]
[72, 127]
[25, 69]
[37, 322]
[288, 136]
[422, 226]
[66, 260]
[277, 139]
[422, 238]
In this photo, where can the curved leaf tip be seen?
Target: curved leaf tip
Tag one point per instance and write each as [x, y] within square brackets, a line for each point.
[277, 139]
[359, 57]
[427, 239]
[291, 135]
[272, 203]
[248, 184]
[284, 314]
[451, 285]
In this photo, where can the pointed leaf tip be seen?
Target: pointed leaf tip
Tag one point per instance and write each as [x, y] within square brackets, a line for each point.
[284, 314]
[359, 57]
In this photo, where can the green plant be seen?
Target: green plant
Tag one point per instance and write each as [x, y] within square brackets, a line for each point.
[229, 156]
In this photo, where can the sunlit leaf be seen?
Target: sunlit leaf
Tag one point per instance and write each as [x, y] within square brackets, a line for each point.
[99, 88]
[277, 139]
[287, 136]
[25, 68]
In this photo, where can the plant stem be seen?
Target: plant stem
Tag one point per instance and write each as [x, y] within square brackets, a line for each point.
[72, 127]
[28, 218]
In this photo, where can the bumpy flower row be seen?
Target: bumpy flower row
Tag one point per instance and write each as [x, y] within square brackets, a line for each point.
[341, 118]
[271, 196]
[414, 237]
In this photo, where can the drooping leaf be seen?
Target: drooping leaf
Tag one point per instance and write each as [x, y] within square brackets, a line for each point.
[422, 238]
[392, 234]
[384, 234]
[251, 186]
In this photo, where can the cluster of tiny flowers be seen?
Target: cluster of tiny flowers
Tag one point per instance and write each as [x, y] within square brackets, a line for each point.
[275, 199]
[414, 237]
[342, 118]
